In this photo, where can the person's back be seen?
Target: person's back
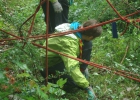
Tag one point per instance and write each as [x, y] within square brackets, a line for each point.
[64, 44]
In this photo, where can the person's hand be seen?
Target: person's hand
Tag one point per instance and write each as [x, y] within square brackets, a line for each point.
[91, 95]
[57, 7]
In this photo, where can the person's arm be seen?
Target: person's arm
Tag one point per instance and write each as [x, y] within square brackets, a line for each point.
[72, 66]
[56, 5]
[71, 47]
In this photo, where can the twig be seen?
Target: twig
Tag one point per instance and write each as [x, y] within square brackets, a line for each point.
[126, 50]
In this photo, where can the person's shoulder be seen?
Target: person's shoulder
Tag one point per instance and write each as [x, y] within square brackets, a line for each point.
[63, 27]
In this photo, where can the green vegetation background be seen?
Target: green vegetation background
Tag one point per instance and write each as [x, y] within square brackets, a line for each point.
[122, 53]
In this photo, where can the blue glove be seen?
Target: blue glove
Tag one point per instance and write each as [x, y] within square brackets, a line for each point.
[91, 95]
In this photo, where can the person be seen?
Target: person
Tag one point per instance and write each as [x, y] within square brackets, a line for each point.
[69, 44]
[58, 12]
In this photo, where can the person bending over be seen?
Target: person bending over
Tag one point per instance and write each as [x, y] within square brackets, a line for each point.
[70, 44]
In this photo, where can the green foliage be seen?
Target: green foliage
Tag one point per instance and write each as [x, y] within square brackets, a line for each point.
[119, 54]
[23, 80]
[61, 82]
[101, 10]
[11, 17]
[24, 64]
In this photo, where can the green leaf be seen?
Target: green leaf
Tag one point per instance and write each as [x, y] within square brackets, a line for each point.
[23, 75]
[22, 66]
[1, 75]
[42, 94]
[61, 82]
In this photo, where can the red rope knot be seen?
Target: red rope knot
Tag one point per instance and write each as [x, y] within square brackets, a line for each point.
[125, 19]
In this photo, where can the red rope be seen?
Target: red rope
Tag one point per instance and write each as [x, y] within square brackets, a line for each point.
[118, 72]
[134, 23]
[33, 15]
[124, 18]
[127, 24]
[68, 32]
[47, 32]
[10, 34]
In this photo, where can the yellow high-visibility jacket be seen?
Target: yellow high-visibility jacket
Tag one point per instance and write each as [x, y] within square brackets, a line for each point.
[68, 44]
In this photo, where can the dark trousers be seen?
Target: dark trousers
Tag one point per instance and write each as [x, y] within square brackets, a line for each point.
[56, 19]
